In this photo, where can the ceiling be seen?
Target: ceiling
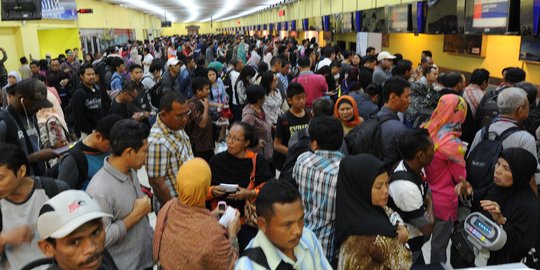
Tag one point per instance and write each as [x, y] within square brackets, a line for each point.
[197, 10]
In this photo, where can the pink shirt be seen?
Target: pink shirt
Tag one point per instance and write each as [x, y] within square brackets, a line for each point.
[314, 85]
[442, 176]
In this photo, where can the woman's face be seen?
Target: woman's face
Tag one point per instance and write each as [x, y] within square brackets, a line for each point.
[212, 76]
[236, 143]
[356, 60]
[345, 112]
[379, 190]
[12, 80]
[503, 174]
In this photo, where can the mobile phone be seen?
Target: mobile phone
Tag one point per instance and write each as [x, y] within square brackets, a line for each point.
[222, 206]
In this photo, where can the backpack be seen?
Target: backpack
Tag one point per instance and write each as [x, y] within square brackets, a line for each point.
[425, 113]
[80, 160]
[154, 94]
[257, 256]
[52, 133]
[300, 147]
[480, 163]
[228, 83]
[488, 109]
[366, 138]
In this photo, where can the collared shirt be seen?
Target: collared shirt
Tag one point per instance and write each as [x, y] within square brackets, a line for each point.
[116, 192]
[309, 254]
[316, 175]
[283, 83]
[167, 151]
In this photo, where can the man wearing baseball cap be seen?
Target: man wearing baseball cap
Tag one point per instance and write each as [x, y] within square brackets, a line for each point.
[383, 70]
[170, 78]
[72, 233]
[18, 123]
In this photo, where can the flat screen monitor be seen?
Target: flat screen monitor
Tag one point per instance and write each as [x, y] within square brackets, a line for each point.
[490, 16]
[442, 17]
[374, 20]
[463, 44]
[400, 18]
[530, 49]
[344, 22]
[21, 10]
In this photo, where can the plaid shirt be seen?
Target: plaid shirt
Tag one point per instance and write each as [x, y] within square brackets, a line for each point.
[167, 151]
[316, 175]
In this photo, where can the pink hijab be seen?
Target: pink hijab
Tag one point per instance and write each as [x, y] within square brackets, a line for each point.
[444, 127]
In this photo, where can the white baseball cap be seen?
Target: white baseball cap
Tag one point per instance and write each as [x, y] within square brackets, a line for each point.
[66, 212]
[173, 62]
[385, 55]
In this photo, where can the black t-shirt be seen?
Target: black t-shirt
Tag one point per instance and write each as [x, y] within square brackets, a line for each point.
[120, 109]
[287, 124]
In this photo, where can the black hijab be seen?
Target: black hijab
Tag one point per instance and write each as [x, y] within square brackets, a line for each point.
[355, 215]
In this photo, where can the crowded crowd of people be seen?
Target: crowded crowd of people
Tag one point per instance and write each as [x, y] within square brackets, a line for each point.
[260, 153]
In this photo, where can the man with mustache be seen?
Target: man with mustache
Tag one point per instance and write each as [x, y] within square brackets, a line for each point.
[72, 233]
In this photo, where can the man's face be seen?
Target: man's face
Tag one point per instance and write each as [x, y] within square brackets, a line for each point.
[55, 65]
[137, 74]
[70, 57]
[432, 75]
[404, 100]
[138, 158]
[82, 249]
[239, 66]
[175, 69]
[387, 63]
[9, 181]
[35, 69]
[89, 76]
[191, 64]
[284, 228]
[177, 118]
[285, 70]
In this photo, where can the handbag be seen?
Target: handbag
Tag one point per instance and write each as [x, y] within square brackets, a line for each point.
[250, 214]
[461, 251]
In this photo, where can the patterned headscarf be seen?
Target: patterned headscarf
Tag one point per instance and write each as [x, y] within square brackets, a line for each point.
[444, 127]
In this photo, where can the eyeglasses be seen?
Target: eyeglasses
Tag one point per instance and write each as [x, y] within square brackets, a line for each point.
[234, 139]
[184, 115]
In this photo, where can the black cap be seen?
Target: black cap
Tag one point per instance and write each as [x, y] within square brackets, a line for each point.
[35, 90]
[514, 75]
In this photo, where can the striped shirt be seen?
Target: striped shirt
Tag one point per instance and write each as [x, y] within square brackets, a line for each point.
[167, 151]
[316, 175]
[473, 94]
[309, 254]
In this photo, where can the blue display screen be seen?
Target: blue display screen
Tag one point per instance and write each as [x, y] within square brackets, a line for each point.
[483, 227]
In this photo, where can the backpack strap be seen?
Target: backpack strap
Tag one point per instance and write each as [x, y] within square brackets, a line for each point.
[49, 185]
[82, 163]
[386, 117]
[412, 177]
[256, 255]
[507, 133]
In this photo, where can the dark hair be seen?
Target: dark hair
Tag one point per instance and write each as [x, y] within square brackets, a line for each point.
[255, 93]
[246, 73]
[322, 106]
[130, 87]
[369, 49]
[369, 58]
[295, 89]
[335, 63]
[427, 53]
[452, 79]
[134, 66]
[200, 62]
[346, 54]
[328, 51]
[146, 50]
[304, 62]
[327, 131]
[13, 157]
[11, 90]
[36, 62]
[116, 62]
[479, 76]
[166, 102]
[402, 67]
[515, 75]
[262, 67]
[198, 83]
[398, 58]
[155, 66]
[23, 60]
[531, 91]
[412, 141]
[249, 133]
[394, 85]
[373, 89]
[267, 79]
[275, 191]
[127, 133]
[106, 123]
[428, 70]
[275, 60]
[284, 62]
[84, 67]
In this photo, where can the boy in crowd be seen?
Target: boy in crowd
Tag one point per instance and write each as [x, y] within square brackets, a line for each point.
[199, 128]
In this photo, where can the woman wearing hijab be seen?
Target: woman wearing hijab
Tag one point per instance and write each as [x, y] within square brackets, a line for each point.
[235, 166]
[347, 112]
[187, 235]
[512, 204]
[12, 79]
[446, 174]
[367, 237]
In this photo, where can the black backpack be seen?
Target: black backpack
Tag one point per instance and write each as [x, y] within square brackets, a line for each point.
[425, 113]
[257, 255]
[482, 159]
[488, 109]
[155, 93]
[228, 83]
[300, 147]
[366, 138]
[80, 160]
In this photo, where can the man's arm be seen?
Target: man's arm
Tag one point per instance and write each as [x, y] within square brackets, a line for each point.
[68, 171]
[156, 167]
[161, 189]
[4, 56]
[279, 147]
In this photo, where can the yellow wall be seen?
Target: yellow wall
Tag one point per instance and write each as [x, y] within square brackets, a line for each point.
[48, 40]
[10, 45]
[180, 28]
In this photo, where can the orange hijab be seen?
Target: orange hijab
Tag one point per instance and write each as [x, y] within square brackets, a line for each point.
[356, 120]
[444, 127]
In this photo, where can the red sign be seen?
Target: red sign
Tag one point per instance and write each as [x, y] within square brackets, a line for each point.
[281, 13]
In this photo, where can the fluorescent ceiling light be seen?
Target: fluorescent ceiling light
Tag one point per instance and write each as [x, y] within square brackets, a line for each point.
[248, 12]
[228, 6]
[152, 8]
[191, 8]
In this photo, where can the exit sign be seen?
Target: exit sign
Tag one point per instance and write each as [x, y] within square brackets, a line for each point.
[281, 13]
[85, 11]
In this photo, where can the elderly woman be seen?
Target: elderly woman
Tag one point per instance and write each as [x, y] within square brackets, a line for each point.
[187, 235]
[346, 111]
[512, 204]
[235, 166]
